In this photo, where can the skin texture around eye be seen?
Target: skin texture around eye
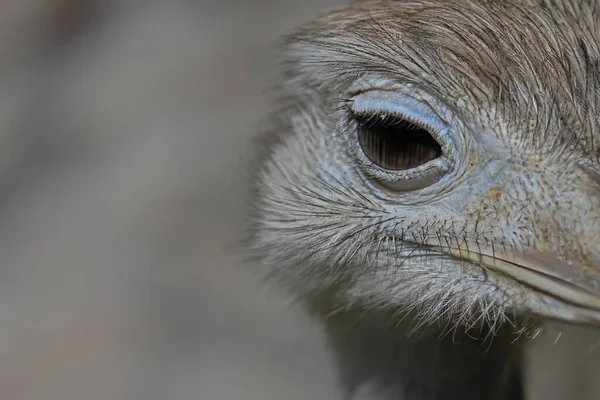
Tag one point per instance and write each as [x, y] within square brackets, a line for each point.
[399, 141]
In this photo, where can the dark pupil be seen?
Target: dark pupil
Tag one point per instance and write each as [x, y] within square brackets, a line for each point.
[396, 144]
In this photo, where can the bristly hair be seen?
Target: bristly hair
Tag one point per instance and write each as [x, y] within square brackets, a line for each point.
[537, 67]
[534, 65]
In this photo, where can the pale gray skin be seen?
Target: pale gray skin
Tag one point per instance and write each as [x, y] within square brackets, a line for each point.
[498, 234]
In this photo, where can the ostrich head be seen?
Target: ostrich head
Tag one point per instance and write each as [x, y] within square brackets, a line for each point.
[440, 158]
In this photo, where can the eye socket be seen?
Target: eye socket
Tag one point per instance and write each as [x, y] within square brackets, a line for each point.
[394, 143]
[401, 138]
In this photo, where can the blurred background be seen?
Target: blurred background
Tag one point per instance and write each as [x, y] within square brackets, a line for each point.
[124, 138]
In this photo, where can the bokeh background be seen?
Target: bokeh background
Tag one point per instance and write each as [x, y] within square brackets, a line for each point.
[124, 141]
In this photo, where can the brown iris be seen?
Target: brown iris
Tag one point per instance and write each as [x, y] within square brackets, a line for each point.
[394, 143]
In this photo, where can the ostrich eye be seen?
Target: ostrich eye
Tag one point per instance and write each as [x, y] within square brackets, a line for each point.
[394, 143]
[399, 140]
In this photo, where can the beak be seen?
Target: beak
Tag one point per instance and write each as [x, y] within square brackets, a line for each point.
[570, 293]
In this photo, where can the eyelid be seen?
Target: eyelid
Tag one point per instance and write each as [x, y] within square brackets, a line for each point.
[395, 103]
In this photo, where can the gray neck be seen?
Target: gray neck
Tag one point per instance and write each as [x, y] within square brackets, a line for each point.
[378, 361]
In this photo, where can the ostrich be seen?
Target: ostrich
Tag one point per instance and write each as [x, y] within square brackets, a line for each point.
[430, 188]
